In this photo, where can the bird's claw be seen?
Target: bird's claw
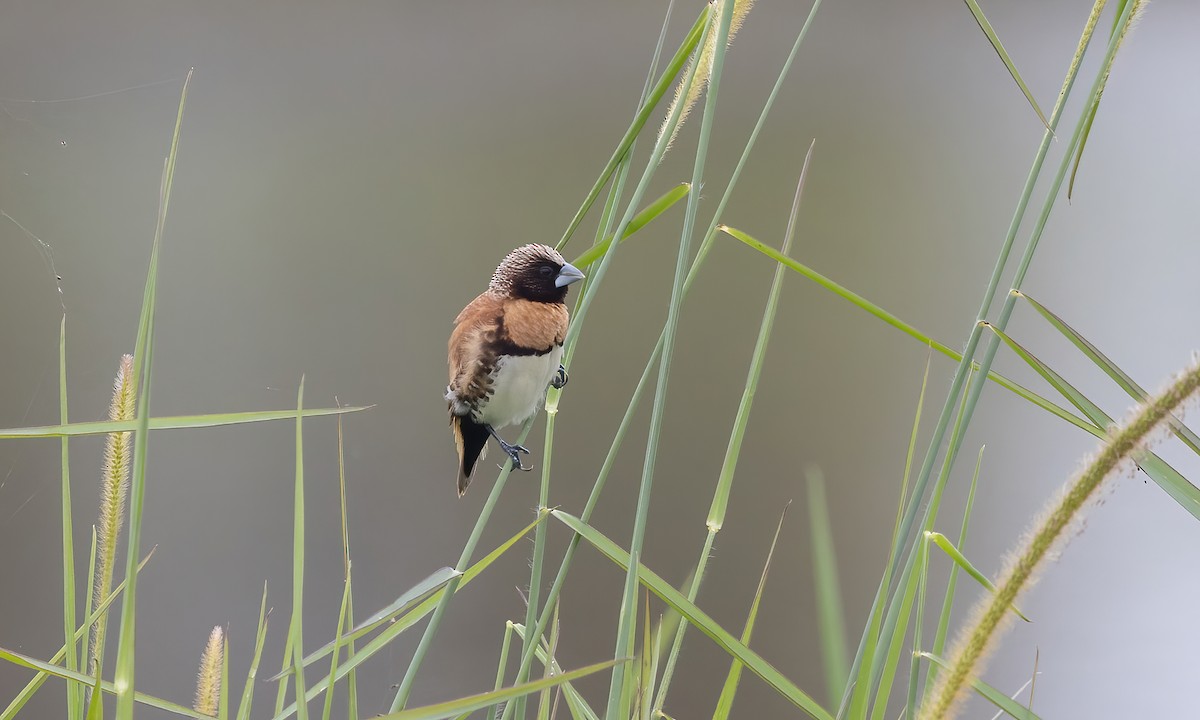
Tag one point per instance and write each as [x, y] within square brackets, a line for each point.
[560, 378]
[514, 453]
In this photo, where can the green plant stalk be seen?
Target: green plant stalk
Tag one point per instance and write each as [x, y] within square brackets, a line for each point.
[960, 372]
[895, 624]
[464, 560]
[123, 680]
[870, 672]
[297, 625]
[628, 611]
[832, 629]
[174, 422]
[673, 69]
[502, 666]
[539, 546]
[701, 255]
[720, 501]
[347, 615]
[914, 664]
[74, 694]
[978, 638]
[733, 677]
[939, 639]
[285, 682]
[260, 637]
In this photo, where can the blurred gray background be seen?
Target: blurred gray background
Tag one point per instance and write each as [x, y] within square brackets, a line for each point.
[350, 174]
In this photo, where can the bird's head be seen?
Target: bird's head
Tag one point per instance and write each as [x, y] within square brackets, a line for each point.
[535, 272]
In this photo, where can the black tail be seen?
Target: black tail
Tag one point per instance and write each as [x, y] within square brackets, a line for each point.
[471, 438]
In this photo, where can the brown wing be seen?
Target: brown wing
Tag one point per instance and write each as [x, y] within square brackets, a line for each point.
[472, 349]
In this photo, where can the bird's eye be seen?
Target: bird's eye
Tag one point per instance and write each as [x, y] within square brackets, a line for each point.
[546, 270]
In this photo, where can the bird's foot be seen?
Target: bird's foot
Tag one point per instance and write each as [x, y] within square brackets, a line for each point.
[514, 453]
[560, 378]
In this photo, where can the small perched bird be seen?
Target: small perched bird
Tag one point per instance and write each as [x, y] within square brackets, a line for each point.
[505, 351]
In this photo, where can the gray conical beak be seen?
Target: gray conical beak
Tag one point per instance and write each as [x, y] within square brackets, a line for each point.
[567, 275]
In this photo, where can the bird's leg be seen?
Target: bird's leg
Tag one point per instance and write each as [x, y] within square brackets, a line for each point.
[513, 451]
[560, 378]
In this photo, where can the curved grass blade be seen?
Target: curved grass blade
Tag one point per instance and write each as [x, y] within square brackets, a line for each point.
[864, 304]
[961, 560]
[994, 39]
[1168, 478]
[410, 618]
[991, 694]
[472, 703]
[104, 427]
[697, 617]
[1100, 360]
[38, 680]
[86, 680]
[406, 600]
[579, 708]
[259, 638]
[943, 627]
[639, 221]
[729, 690]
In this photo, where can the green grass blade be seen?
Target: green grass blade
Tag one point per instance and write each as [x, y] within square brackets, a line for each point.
[78, 678]
[579, 708]
[39, 679]
[697, 617]
[260, 637]
[74, 692]
[410, 618]
[943, 627]
[472, 703]
[502, 665]
[867, 644]
[95, 709]
[665, 80]
[729, 690]
[639, 221]
[347, 617]
[104, 427]
[1000, 700]
[1091, 117]
[961, 560]
[887, 317]
[297, 624]
[994, 39]
[895, 643]
[143, 357]
[1178, 487]
[1100, 360]
[337, 643]
[831, 624]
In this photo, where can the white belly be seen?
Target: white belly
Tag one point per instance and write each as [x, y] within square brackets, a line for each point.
[520, 383]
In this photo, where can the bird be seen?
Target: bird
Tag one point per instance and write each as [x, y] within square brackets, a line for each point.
[505, 352]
